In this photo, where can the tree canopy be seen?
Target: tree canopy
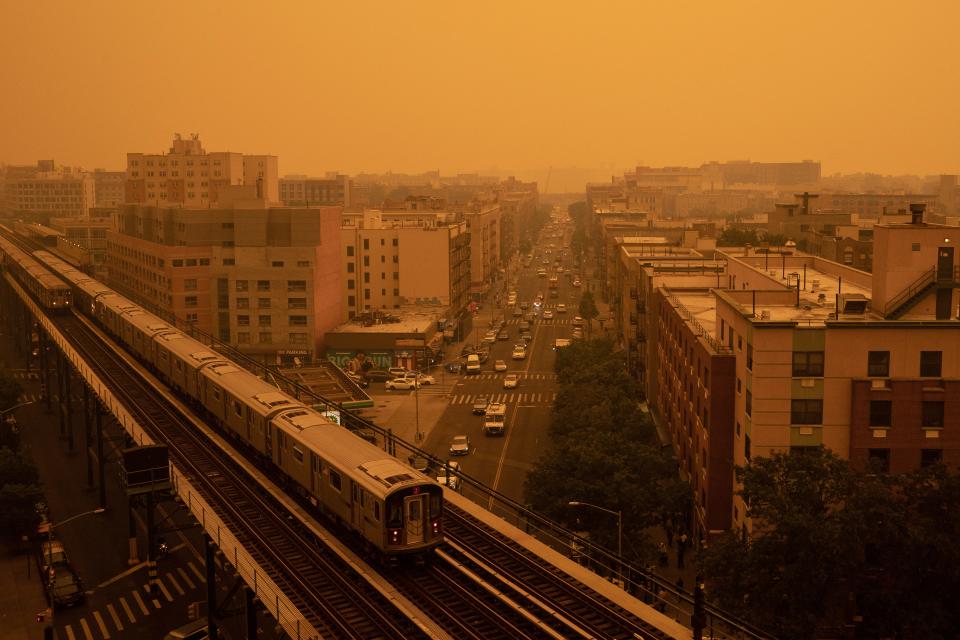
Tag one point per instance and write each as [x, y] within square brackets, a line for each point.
[605, 451]
[824, 533]
[10, 390]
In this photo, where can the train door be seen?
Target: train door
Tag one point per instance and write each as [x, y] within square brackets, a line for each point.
[268, 440]
[281, 443]
[357, 515]
[414, 515]
[249, 422]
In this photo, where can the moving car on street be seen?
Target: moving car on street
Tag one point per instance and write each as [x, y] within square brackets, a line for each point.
[460, 445]
[499, 365]
[519, 352]
[450, 475]
[480, 405]
[401, 384]
[511, 381]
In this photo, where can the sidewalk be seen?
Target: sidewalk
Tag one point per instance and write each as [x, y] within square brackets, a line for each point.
[21, 596]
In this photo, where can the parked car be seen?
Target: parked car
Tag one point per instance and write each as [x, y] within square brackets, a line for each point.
[50, 552]
[527, 337]
[490, 337]
[548, 315]
[196, 630]
[63, 586]
[377, 375]
[363, 383]
[423, 378]
[511, 381]
[401, 384]
[419, 463]
[577, 321]
[484, 356]
[561, 308]
[449, 475]
[453, 367]
[460, 445]
[499, 365]
[576, 282]
[397, 372]
[467, 350]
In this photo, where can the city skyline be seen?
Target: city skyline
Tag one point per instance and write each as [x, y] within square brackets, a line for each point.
[511, 90]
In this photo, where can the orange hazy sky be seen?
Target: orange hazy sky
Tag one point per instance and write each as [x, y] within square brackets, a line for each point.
[410, 86]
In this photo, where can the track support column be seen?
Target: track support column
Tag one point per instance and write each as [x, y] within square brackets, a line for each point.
[132, 535]
[211, 587]
[250, 609]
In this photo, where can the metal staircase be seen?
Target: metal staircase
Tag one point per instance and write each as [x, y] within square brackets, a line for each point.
[909, 297]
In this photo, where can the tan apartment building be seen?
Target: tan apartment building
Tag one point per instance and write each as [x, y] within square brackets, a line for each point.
[84, 240]
[189, 176]
[266, 280]
[299, 191]
[110, 187]
[483, 225]
[397, 259]
[39, 192]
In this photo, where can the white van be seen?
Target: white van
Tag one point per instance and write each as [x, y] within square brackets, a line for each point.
[196, 630]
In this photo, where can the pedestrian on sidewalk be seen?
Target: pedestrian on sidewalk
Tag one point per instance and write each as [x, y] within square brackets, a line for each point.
[662, 550]
[681, 549]
[668, 529]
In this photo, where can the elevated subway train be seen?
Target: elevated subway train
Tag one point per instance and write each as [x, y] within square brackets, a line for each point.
[393, 508]
[47, 289]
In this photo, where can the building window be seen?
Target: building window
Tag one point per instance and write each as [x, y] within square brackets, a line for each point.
[931, 364]
[299, 321]
[749, 356]
[266, 337]
[243, 285]
[192, 317]
[350, 267]
[190, 301]
[297, 338]
[263, 321]
[243, 321]
[739, 386]
[243, 337]
[366, 244]
[932, 413]
[190, 284]
[351, 284]
[930, 457]
[738, 428]
[396, 242]
[297, 303]
[226, 225]
[243, 303]
[749, 403]
[229, 262]
[276, 263]
[879, 460]
[296, 285]
[263, 303]
[366, 276]
[806, 411]
[263, 285]
[303, 263]
[349, 249]
[366, 294]
[178, 263]
[807, 364]
[351, 301]
[746, 447]
[366, 261]
[915, 246]
[881, 413]
[878, 364]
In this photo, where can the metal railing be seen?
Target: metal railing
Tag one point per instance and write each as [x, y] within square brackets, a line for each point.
[698, 328]
[911, 290]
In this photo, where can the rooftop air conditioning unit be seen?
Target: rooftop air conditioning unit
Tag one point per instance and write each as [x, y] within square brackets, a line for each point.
[815, 285]
[765, 314]
[854, 303]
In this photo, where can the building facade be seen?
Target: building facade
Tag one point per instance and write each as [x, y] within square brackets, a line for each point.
[266, 280]
[299, 191]
[46, 190]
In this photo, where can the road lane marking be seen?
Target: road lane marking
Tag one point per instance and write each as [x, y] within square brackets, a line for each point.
[186, 578]
[503, 457]
[196, 572]
[116, 618]
[126, 609]
[102, 625]
[86, 628]
[175, 584]
[163, 589]
[121, 575]
[140, 603]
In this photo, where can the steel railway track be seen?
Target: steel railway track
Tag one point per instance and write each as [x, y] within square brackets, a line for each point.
[333, 598]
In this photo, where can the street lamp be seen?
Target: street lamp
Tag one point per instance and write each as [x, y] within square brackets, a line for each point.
[619, 514]
[51, 526]
[16, 406]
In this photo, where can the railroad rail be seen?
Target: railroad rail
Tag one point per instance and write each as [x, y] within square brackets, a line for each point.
[336, 601]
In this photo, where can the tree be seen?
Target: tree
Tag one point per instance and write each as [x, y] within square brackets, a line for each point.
[775, 239]
[17, 514]
[16, 469]
[822, 531]
[737, 237]
[588, 309]
[10, 390]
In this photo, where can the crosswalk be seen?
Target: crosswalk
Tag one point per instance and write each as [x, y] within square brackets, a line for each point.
[137, 604]
[556, 320]
[26, 375]
[481, 377]
[525, 398]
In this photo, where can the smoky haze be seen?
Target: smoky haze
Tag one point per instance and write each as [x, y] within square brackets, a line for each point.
[504, 87]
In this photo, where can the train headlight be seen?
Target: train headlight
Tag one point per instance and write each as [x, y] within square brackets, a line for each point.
[395, 536]
[436, 526]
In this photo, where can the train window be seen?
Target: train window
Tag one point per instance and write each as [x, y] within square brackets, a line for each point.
[395, 515]
[363, 498]
[238, 408]
[334, 479]
[298, 453]
[179, 366]
[435, 505]
[376, 511]
[216, 393]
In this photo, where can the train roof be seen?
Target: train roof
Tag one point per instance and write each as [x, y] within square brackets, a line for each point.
[146, 322]
[260, 396]
[187, 349]
[377, 472]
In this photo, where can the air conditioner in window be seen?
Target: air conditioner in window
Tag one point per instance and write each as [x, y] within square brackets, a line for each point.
[807, 383]
[880, 383]
[806, 431]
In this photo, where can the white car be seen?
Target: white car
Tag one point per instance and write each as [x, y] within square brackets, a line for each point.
[519, 352]
[577, 321]
[422, 378]
[499, 365]
[401, 384]
[511, 381]
[561, 308]
[490, 336]
[460, 445]
[548, 315]
[397, 372]
[453, 479]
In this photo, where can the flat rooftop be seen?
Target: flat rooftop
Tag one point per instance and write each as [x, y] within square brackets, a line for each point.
[702, 308]
[407, 320]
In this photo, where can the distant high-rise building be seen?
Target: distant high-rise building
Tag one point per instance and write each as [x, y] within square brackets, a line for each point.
[720, 175]
[38, 192]
[109, 187]
[189, 176]
[301, 191]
